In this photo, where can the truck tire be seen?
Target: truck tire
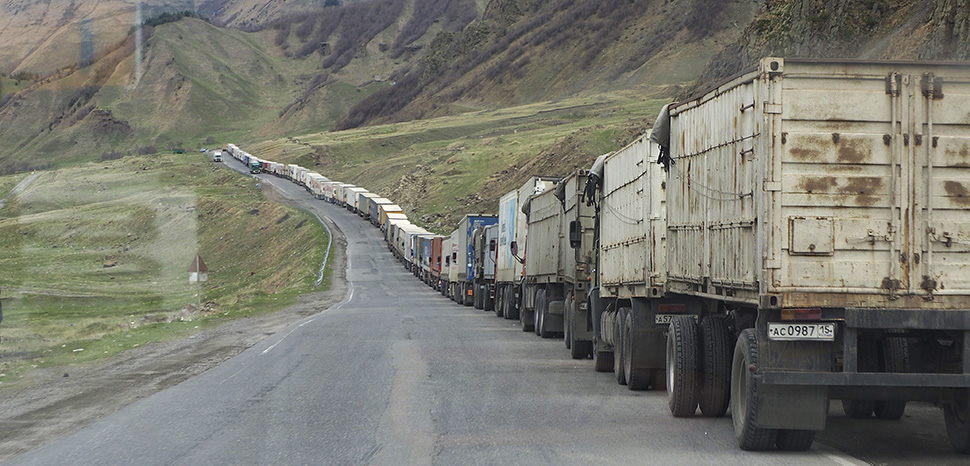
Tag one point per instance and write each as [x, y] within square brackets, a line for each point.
[745, 390]
[637, 378]
[957, 417]
[868, 362]
[602, 360]
[528, 320]
[567, 336]
[715, 383]
[619, 348]
[477, 295]
[537, 312]
[499, 301]
[795, 440]
[682, 365]
[895, 358]
[488, 303]
[510, 311]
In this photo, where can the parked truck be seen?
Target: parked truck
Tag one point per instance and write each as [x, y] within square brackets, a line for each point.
[450, 253]
[816, 238]
[512, 228]
[558, 262]
[464, 256]
[437, 262]
[486, 245]
[630, 314]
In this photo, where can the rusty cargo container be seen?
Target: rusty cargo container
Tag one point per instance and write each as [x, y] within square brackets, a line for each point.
[821, 211]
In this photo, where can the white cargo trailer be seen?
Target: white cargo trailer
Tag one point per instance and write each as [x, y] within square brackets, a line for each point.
[513, 228]
[628, 316]
[819, 210]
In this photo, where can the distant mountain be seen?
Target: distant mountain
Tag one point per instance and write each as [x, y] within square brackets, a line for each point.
[260, 69]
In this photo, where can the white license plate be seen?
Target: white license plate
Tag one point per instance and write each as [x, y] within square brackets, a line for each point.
[801, 331]
[664, 319]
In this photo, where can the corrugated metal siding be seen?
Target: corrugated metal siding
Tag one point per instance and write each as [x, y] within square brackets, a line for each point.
[542, 248]
[632, 221]
[826, 184]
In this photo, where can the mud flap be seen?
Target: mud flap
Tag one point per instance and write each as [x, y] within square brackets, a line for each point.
[793, 407]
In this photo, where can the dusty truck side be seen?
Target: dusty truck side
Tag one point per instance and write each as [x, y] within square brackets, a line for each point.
[512, 228]
[820, 211]
[630, 312]
[558, 262]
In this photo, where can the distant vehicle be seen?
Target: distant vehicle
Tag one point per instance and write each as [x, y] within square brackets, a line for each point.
[216, 155]
[178, 150]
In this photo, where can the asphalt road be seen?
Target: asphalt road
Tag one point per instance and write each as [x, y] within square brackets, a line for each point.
[396, 374]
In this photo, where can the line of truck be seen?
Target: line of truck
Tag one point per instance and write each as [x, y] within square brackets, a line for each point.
[798, 234]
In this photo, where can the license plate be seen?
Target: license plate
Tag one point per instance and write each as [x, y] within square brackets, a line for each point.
[664, 319]
[800, 331]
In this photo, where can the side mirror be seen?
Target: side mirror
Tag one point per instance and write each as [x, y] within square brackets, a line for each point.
[491, 245]
[575, 235]
[514, 247]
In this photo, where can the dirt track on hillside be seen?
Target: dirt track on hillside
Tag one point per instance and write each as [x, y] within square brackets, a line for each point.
[58, 401]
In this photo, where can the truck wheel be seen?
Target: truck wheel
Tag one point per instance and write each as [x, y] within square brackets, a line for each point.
[619, 348]
[745, 390]
[477, 296]
[499, 302]
[682, 366]
[637, 378]
[895, 358]
[527, 319]
[537, 313]
[488, 303]
[868, 362]
[957, 418]
[567, 337]
[602, 360]
[715, 383]
[510, 311]
[795, 440]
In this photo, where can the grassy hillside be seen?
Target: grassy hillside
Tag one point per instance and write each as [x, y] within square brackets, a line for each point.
[441, 168]
[196, 82]
[96, 257]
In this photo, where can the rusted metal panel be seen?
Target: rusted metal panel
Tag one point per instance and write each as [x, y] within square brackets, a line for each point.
[633, 218]
[825, 184]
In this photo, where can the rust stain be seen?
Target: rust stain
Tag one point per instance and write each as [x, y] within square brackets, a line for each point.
[957, 192]
[822, 184]
[802, 153]
[854, 150]
[864, 188]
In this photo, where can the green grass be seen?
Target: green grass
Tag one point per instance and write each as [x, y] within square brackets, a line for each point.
[470, 153]
[96, 257]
